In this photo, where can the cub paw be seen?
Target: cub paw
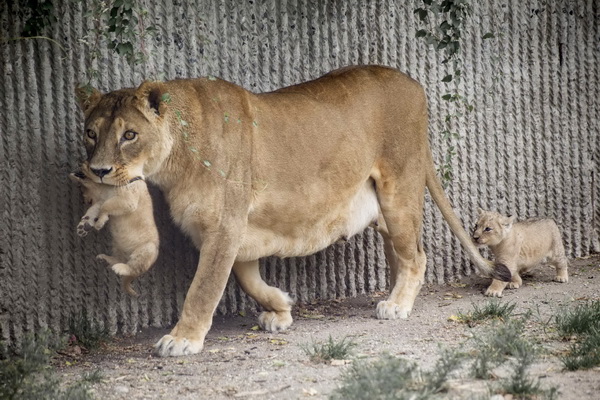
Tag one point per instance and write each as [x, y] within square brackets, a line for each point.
[100, 222]
[493, 292]
[84, 226]
[122, 269]
[275, 321]
[561, 279]
[513, 285]
[173, 346]
[389, 310]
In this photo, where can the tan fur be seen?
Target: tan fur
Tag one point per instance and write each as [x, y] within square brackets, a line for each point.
[284, 173]
[521, 246]
[134, 234]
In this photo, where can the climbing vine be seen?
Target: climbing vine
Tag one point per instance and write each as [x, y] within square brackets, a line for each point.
[443, 24]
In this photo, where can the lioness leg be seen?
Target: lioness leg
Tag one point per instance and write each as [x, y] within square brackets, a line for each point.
[403, 213]
[388, 248]
[277, 304]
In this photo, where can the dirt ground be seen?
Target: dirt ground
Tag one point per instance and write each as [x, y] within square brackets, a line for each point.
[241, 362]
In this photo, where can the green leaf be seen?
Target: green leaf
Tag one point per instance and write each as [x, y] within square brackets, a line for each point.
[444, 26]
[447, 78]
[447, 97]
[489, 35]
[421, 33]
[166, 98]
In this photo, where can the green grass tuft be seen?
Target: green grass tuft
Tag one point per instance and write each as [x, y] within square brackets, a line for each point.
[330, 350]
[492, 309]
[581, 320]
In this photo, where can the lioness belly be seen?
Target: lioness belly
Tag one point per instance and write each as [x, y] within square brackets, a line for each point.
[342, 220]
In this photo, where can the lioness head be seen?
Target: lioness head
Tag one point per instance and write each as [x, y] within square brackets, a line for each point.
[125, 133]
[491, 228]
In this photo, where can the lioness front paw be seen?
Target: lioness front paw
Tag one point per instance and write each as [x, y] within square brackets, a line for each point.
[172, 346]
[389, 310]
[275, 321]
[493, 292]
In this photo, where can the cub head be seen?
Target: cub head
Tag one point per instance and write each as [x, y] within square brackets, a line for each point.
[491, 228]
[89, 189]
[125, 133]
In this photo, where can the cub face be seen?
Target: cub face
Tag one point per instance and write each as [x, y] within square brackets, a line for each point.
[491, 228]
[125, 132]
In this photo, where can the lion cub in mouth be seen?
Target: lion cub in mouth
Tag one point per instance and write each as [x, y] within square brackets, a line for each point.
[520, 246]
[132, 227]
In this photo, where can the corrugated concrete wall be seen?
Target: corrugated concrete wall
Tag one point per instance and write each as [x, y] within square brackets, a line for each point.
[530, 148]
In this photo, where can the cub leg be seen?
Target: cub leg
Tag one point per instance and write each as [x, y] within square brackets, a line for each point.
[403, 215]
[561, 265]
[277, 303]
[87, 221]
[124, 203]
[516, 281]
[139, 262]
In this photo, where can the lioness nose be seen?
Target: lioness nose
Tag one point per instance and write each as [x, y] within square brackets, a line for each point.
[101, 172]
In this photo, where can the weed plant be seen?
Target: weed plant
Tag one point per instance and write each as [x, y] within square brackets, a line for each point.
[88, 333]
[330, 350]
[584, 322]
[27, 375]
[389, 378]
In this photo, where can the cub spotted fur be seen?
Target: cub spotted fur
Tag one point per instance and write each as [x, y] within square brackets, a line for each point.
[283, 173]
[134, 234]
[520, 246]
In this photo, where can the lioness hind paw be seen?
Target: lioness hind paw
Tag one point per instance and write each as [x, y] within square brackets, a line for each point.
[172, 346]
[275, 321]
[389, 310]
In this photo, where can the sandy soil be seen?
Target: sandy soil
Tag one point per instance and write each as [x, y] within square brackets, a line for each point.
[239, 362]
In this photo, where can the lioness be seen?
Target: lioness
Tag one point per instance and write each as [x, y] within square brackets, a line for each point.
[134, 234]
[520, 246]
[284, 173]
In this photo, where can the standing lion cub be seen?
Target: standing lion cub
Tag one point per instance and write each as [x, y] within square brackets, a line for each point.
[133, 230]
[520, 246]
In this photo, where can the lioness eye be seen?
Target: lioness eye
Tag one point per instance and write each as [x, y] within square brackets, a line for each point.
[129, 135]
[91, 134]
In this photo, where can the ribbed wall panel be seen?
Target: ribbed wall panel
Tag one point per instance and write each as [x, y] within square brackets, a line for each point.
[530, 148]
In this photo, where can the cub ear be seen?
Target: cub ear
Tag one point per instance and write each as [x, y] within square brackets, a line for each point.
[77, 177]
[154, 96]
[508, 221]
[480, 211]
[87, 97]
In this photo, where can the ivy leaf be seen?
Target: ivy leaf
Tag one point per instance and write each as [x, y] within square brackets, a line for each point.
[421, 13]
[447, 78]
[165, 98]
[489, 35]
[421, 33]
[447, 97]
[444, 26]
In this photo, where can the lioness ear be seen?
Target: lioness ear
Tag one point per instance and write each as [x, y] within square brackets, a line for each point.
[87, 97]
[152, 95]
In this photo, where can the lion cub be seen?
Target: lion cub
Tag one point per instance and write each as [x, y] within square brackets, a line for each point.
[520, 246]
[133, 230]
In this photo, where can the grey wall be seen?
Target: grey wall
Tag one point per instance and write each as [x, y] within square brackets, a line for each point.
[530, 148]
